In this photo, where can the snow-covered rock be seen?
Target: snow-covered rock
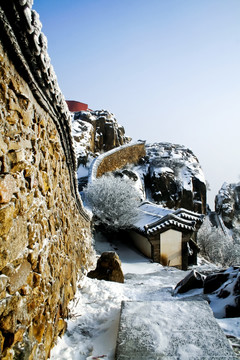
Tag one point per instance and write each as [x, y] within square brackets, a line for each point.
[223, 291]
[175, 177]
[108, 268]
[95, 132]
[227, 204]
[172, 177]
[170, 173]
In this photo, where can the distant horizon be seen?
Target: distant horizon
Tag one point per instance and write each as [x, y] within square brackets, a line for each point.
[168, 70]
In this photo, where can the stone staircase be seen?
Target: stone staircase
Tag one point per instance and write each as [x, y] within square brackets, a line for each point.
[170, 330]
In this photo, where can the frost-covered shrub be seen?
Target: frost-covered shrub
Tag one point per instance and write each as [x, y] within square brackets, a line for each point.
[113, 201]
[216, 246]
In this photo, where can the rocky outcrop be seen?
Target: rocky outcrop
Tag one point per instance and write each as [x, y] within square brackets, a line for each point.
[43, 245]
[170, 173]
[95, 132]
[108, 268]
[173, 177]
[227, 204]
[221, 289]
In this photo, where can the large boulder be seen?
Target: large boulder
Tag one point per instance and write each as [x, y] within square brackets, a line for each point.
[194, 280]
[215, 281]
[174, 177]
[108, 268]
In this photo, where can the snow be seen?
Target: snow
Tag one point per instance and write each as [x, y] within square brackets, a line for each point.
[82, 171]
[95, 311]
[161, 170]
[82, 135]
[231, 326]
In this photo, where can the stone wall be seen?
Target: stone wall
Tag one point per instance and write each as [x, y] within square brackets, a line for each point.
[117, 159]
[44, 229]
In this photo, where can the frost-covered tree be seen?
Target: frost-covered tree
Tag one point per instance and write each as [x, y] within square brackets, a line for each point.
[216, 246]
[113, 201]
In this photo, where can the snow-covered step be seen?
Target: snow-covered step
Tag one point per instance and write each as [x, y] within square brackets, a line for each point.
[170, 330]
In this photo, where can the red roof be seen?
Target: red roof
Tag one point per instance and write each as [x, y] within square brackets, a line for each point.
[76, 106]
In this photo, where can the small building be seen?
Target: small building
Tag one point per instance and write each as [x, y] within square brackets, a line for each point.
[75, 106]
[166, 236]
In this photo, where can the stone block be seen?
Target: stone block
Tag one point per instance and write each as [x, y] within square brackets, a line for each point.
[18, 167]
[16, 239]
[22, 144]
[13, 117]
[20, 155]
[44, 182]
[19, 278]
[18, 336]
[6, 219]
[8, 322]
[3, 145]
[3, 282]
[7, 188]
[48, 338]
[39, 324]
[27, 117]
[170, 330]
[61, 326]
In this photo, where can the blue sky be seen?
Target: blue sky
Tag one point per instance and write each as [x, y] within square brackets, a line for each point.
[168, 69]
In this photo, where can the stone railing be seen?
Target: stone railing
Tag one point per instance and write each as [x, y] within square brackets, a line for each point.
[117, 158]
[45, 236]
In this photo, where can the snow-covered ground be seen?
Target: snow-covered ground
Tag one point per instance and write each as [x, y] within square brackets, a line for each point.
[94, 313]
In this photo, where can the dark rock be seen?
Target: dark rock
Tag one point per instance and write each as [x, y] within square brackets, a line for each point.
[174, 177]
[108, 268]
[130, 174]
[223, 294]
[214, 281]
[194, 280]
[236, 289]
[225, 291]
[233, 311]
[164, 188]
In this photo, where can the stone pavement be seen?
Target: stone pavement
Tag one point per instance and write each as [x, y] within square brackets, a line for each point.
[170, 330]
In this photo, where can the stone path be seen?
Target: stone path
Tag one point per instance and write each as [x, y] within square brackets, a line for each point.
[170, 330]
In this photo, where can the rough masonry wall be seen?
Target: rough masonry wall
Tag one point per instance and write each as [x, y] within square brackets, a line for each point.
[45, 240]
[118, 158]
